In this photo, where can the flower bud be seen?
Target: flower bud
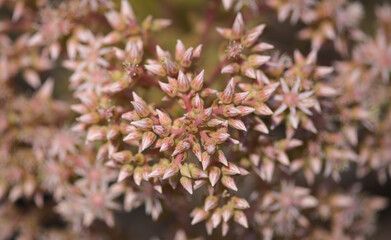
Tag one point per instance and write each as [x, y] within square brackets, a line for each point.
[171, 170]
[112, 132]
[216, 218]
[245, 110]
[122, 157]
[169, 89]
[156, 69]
[179, 50]
[205, 160]
[168, 65]
[214, 175]
[185, 171]
[237, 123]
[257, 60]
[227, 95]
[89, 118]
[240, 218]
[233, 69]
[229, 182]
[231, 111]
[196, 173]
[238, 27]
[167, 143]
[147, 140]
[187, 58]
[186, 183]
[130, 116]
[227, 213]
[141, 108]
[183, 82]
[210, 203]
[198, 216]
[164, 119]
[125, 172]
[198, 81]
[222, 158]
[252, 36]
[144, 124]
[197, 150]
[240, 203]
[232, 169]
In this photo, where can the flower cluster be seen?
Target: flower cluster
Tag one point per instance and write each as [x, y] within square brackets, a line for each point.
[255, 145]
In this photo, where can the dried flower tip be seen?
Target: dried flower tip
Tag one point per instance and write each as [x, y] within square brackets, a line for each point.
[171, 171]
[229, 182]
[141, 108]
[198, 81]
[183, 82]
[210, 203]
[186, 183]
